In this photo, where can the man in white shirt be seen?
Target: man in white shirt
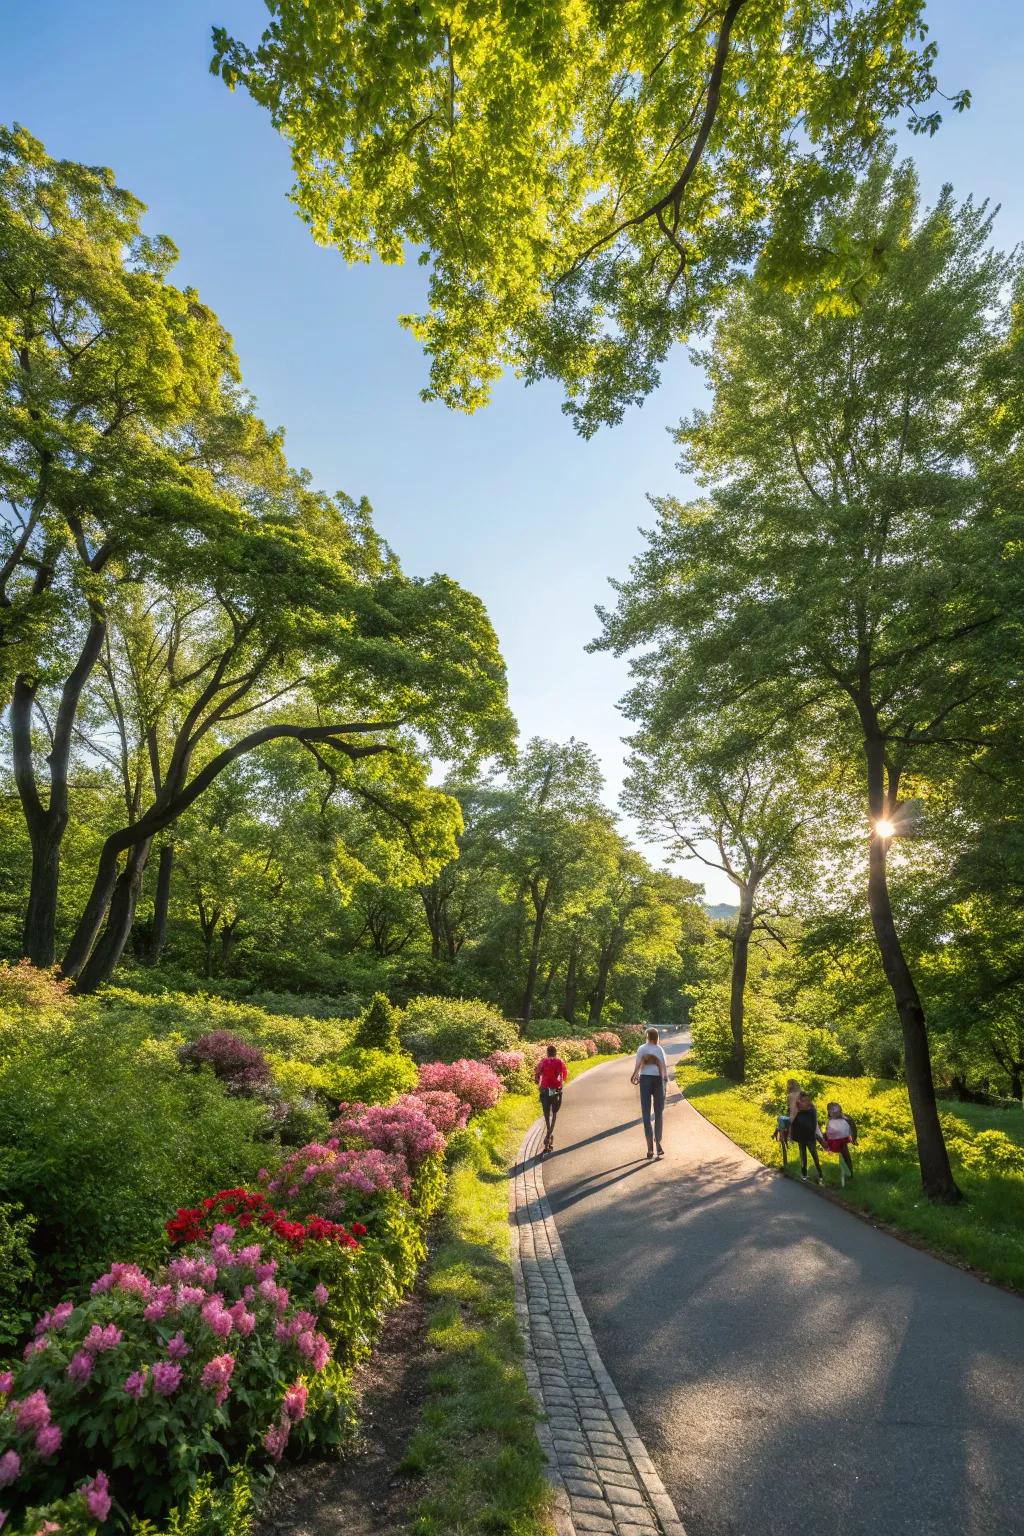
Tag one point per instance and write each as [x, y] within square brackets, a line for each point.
[651, 1072]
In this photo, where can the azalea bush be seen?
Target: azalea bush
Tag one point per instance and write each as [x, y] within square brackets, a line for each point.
[607, 1041]
[328, 1179]
[240, 1066]
[513, 1070]
[151, 1381]
[474, 1082]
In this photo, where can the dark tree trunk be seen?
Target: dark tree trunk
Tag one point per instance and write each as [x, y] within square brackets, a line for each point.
[228, 941]
[539, 908]
[161, 903]
[47, 824]
[740, 956]
[106, 955]
[597, 996]
[936, 1173]
[432, 909]
[1017, 1082]
[91, 920]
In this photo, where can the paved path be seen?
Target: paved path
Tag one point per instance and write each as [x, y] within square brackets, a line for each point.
[788, 1367]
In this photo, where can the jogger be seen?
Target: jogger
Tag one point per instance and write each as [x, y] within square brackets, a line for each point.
[651, 1072]
[550, 1074]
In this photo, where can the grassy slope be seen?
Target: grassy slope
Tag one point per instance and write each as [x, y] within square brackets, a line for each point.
[985, 1232]
[476, 1445]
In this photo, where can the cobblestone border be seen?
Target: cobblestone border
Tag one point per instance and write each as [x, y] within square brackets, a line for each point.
[603, 1478]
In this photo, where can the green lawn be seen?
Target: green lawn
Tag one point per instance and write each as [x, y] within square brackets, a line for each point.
[986, 1231]
[476, 1445]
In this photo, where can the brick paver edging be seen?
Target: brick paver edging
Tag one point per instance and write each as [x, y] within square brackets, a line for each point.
[603, 1478]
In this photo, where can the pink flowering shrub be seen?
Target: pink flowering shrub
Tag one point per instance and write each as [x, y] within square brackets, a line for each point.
[401, 1127]
[607, 1041]
[194, 1358]
[241, 1067]
[327, 1179]
[475, 1083]
[445, 1111]
[505, 1063]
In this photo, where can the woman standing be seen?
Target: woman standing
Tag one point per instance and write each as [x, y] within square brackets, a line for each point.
[806, 1132]
[651, 1072]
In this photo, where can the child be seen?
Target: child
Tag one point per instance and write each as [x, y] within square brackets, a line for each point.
[550, 1074]
[840, 1136]
[804, 1131]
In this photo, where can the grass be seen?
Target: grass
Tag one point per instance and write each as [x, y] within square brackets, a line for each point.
[985, 1231]
[476, 1445]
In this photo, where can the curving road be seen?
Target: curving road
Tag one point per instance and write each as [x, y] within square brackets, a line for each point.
[790, 1368]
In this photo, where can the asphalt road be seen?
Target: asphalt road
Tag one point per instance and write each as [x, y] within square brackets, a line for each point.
[790, 1368]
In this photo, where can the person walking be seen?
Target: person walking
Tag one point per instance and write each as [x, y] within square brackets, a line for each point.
[550, 1074]
[651, 1072]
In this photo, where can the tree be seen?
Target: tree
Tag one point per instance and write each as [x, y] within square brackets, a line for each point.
[104, 367]
[851, 555]
[584, 180]
[737, 802]
[249, 608]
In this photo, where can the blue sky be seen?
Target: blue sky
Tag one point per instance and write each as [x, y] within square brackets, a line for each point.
[509, 501]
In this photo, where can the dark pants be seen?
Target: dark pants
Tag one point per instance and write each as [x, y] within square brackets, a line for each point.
[811, 1147]
[652, 1092]
[550, 1103]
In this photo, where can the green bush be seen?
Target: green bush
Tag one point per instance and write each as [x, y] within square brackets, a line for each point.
[189, 1015]
[377, 1030]
[355, 1076]
[454, 1029]
[102, 1134]
[17, 1268]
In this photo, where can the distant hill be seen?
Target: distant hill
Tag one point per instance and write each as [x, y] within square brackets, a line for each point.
[723, 909]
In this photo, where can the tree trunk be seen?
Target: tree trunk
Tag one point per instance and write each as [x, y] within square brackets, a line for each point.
[431, 908]
[91, 920]
[740, 956]
[597, 996]
[539, 908]
[1017, 1082]
[936, 1173]
[228, 940]
[106, 955]
[39, 932]
[161, 903]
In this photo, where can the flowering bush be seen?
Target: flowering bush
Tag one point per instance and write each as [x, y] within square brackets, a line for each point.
[445, 1111]
[249, 1206]
[206, 1362]
[328, 1179]
[607, 1041]
[632, 1036]
[401, 1127]
[241, 1067]
[475, 1083]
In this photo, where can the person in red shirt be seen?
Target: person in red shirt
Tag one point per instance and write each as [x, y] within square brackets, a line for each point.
[550, 1074]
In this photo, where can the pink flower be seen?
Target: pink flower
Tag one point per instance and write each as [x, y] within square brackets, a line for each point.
[33, 1411]
[250, 1255]
[80, 1367]
[473, 1082]
[6, 1383]
[48, 1440]
[275, 1440]
[135, 1385]
[10, 1466]
[166, 1377]
[217, 1376]
[33, 1347]
[314, 1347]
[267, 1270]
[293, 1404]
[160, 1303]
[223, 1232]
[176, 1347]
[222, 1256]
[321, 1295]
[97, 1497]
[242, 1319]
[216, 1318]
[189, 1295]
[99, 1339]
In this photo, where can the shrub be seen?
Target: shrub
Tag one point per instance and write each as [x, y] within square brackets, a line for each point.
[607, 1042]
[514, 1070]
[241, 1067]
[453, 1029]
[377, 1030]
[371, 1076]
[102, 1132]
[445, 1111]
[475, 1083]
[333, 1180]
[17, 1268]
[210, 1361]
[29, 997]
[632, 1036]
[402, 1128]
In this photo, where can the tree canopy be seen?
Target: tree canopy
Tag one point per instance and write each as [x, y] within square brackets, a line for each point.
[583, 179]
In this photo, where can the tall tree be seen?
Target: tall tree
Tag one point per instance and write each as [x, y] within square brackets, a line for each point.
[584, 180]
[738, 803]
[851, 553]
